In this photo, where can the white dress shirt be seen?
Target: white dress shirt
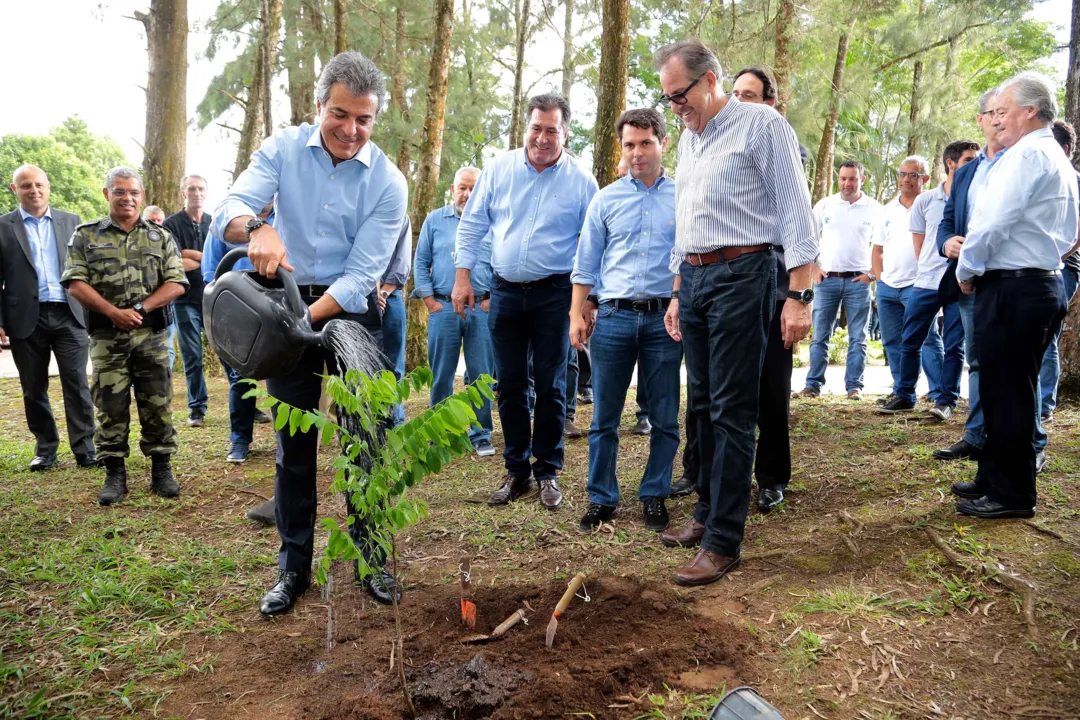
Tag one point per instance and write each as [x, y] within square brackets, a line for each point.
[845, 230]
[1026, 215]
[926, 214]
[899, 266]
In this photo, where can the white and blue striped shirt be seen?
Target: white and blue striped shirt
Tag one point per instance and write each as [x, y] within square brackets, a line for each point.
[740, 182]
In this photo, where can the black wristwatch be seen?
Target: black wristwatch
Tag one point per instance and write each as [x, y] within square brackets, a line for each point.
[595, 300]
[139, 308]
[804, 296]
[252, 225]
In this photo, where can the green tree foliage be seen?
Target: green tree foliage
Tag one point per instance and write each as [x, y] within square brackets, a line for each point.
[74, 159]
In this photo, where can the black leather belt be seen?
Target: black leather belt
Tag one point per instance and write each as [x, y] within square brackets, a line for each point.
[56, 303]
[446, 298]
[641, 306]
[543, 282]
[1025, 272]
[845, 274]
[313, 290]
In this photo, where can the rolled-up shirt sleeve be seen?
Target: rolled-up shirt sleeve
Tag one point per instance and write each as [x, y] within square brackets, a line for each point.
[475, 223]
[591, 245]
[373, 245]
[253, 190]
[776, 155]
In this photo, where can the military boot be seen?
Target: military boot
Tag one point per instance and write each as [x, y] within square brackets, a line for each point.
[161, 477]
[115, 482]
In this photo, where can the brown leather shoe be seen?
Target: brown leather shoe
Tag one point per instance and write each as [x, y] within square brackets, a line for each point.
[572, 431]
[687, 536]
[512, 488]
[706, 567]
[550, 495]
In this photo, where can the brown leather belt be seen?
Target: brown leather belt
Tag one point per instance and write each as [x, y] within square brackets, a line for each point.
[725, 254]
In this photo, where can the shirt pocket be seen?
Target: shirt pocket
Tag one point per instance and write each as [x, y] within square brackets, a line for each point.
[152, 267]
[104, 269]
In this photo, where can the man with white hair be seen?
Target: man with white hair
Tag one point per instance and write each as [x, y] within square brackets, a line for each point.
[1024, 221]
[448, 332]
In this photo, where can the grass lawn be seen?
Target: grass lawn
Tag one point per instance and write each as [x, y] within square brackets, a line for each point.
[843, 608]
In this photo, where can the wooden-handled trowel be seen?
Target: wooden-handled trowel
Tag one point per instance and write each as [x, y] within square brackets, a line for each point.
[553, 624]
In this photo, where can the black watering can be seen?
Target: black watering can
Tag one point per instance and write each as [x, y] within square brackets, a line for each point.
[257, 326]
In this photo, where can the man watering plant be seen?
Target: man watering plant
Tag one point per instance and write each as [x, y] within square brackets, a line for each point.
[340, 206]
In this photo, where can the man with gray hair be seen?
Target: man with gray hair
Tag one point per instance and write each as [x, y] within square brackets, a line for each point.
[448, 332]
[740, 190]
[1024, 221]
[339, 210]
[154, 214]
[38, 318]
[125, 271]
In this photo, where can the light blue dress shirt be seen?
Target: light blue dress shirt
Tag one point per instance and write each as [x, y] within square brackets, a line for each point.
[397, 272]
[627, 240]
[1026, 215]
[214, 250]
[339, 224]
[978, 180]
[434, 264]
[42, 237]
[534, 218]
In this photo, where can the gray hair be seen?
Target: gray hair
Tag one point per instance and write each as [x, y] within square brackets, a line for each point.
[121, 173]
[357, 73]
[698, 58]
[1034, 90]
[150, 210]
[475, 171]
[985, 98]
[922, 163]
[23, 168]
[183, 180]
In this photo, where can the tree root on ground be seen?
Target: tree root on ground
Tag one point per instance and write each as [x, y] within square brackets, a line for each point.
[1000, 575]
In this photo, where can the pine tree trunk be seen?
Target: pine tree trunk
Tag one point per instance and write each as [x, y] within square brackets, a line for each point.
[517, 122]
[341, 26]
[785, 17]
[568, 50]
[398, 89]
[913, 116]
[614, 57]
[271, 10]
[165, 148]
[300, 61]
[824, 171]
[427, 172]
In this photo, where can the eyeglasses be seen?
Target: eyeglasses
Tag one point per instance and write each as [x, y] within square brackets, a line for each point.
[678, 98]
[909, 175]
[746, 96]
[120, 192]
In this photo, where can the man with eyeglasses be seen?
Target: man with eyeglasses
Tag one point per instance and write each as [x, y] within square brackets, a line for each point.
[533, 201]
[923, 304]
[1024, 222]
[846, 223]
[966, 188]
[740, 191]
[895, 265]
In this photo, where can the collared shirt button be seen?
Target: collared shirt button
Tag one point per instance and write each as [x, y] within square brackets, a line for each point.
[331, 177]
[324, 234]
[326, 207]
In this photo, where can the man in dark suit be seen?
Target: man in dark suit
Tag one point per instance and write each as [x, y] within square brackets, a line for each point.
[38, 318]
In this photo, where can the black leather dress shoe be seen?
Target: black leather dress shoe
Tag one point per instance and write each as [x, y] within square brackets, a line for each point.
[89, 460]
[42, 462]
[969, 490]
[290, 586]
[380, 585]
[961, 450]
[984, 507]
[682, 487]
[768, 498]
[512, 488]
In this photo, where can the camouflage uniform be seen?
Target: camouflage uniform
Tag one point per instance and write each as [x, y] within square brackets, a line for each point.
[126, 268]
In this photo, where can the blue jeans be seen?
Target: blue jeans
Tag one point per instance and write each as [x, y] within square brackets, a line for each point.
[446, 334]
[189, 330]
[975, 427]
[1050, 372]
[571, 382]
[642, 400]
[241, 410]
[170, 340]
[919, 319]
[536, 315]
[724, 313]
[393, 338]
[892, 304]
[829, 294]
[621, 339]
